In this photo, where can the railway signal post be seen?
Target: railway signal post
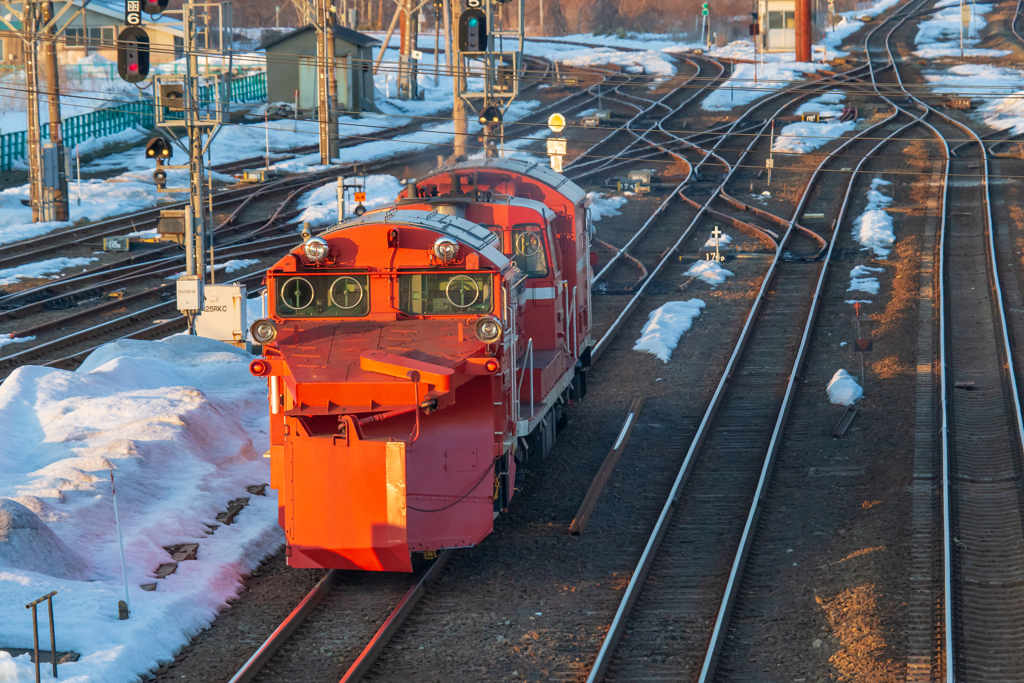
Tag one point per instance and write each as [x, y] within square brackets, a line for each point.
[481, 43]
[197, 105]
[556, 145]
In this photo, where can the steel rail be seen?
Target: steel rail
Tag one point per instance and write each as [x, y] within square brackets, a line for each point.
[285, 629]
[614, 633]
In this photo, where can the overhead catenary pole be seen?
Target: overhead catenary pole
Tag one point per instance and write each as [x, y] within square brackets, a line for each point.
[407, 67]
[195, 255]
[324, 52]
[59, 193]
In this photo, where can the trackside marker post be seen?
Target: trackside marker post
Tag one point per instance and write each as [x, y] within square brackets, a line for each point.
[120, 542]
[556, 145]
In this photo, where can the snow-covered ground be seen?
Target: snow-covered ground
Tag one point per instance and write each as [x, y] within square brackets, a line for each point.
[939, 35]
[1000, 89]
[861, 279]
[806, 136]
[6, 339]
[665, 326]
[874, 228]
[320, 206]
[182, 424]
[843, 389]
[227, 267]
[40, 269]
[749, 82]
[709, 271]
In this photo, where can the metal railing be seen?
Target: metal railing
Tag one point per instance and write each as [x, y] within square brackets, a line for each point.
[35, 632]
[78, 129]
[519, 384]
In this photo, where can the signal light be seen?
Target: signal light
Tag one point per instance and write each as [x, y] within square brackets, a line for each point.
[160, 179]
[158, 148]
[491, 366]
[259, 368]
[154, 7]
[133, 54]
[473, 31]
[491, 114]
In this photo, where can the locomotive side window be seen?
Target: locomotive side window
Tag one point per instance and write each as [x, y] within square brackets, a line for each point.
[338, 295]
[446, 293]
[527, 249]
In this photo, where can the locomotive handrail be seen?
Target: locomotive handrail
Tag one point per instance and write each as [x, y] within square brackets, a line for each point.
[519, 384]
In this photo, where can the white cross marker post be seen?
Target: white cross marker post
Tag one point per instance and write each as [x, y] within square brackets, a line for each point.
[717, 234]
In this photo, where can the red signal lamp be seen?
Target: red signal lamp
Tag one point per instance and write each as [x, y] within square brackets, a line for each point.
[259, 368]
[491, 366]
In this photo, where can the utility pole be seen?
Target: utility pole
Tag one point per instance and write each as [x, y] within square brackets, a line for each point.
[59, 191]
[803, 30]
[407, 67]
[326, 83]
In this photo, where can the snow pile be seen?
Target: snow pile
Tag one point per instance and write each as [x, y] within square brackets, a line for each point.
[1001, 88]
[807, 136]
[744, 85]
[874, 228]
[182, 423]
[843, 389]
[861, 280]
[710, 272]
[722, 241]
[665, 326]
[320, 206]
[41, 269]
[603, 206]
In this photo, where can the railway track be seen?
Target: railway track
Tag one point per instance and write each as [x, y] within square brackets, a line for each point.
[790, 289]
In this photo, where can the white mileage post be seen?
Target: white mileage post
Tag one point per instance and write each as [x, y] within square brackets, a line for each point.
[556, 145]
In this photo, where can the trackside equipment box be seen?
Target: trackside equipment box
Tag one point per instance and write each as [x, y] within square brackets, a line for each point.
[223, 317]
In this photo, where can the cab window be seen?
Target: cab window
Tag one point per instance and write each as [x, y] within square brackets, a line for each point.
[338, 295]
[527, 249]
[445, 293]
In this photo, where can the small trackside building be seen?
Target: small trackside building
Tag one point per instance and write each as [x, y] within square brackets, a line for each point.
[291, 69]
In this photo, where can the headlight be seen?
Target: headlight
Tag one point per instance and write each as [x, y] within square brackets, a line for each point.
[263, 331]
[446, 249]
[316, 249]
[488, 329]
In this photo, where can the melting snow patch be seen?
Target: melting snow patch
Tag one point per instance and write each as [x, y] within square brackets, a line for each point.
[722, 241]
[603, 206]
[849, 301]
[41, 269]
[806, 136]
[182, 423]
[874, 228]
[843, 389]
[666, 325]
[710, 272]
[6, 339]
[860, 280]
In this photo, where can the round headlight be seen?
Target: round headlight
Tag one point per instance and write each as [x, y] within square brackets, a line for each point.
[263, 330]
[488, 329]
[316, 249]
[446, 249]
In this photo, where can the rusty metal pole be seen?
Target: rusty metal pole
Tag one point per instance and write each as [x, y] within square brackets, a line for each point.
[803, 30]
[61, 212]
[34, 137]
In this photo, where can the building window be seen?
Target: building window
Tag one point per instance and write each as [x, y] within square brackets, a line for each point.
[781, 20]
[75, 37]
[179, 47]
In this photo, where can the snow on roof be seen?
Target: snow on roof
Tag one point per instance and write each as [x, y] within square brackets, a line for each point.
[354, 37]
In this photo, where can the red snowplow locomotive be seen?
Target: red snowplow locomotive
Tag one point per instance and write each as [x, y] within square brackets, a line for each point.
[416, 355]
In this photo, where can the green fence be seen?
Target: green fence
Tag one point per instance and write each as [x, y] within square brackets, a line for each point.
[77, 129]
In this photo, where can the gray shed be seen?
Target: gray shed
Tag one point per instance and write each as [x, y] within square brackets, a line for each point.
[291, 66]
